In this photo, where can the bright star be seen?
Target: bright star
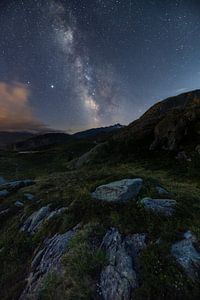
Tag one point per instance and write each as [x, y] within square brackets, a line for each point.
[52, 86]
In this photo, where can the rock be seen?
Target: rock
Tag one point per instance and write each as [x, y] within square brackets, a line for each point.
[4, 212]
[89, 156]
[183, 156]
[33, 223]
[13, 186]
[19, 204]
[120, 277]
[161, 191]
[119, 191]
[187, 256]
[46, 261]
[4, 194]
[198, 149]
[2, 180]
[164, 207]
[29, 197]
[56, 213]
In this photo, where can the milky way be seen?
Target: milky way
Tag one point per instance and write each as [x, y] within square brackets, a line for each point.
[97, 62]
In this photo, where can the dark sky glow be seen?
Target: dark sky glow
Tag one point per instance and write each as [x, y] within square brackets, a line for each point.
[76, 64]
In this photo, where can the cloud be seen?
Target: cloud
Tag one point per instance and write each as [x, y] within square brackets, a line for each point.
[15, 110]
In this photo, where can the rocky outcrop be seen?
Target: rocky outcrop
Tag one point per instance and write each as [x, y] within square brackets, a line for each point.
[34, 222]
[187, 256]
[166, 125]
[46, 261]
[89, 156]
[164, 207]
[119, 191]
[121, 276]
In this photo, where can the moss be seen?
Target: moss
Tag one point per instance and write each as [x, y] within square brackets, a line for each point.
[82, 262]
[161, 278]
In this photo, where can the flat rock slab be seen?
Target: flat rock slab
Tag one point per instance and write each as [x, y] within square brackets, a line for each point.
[35, 221]
[120, 277]
[119, 191]
[187, 256]
[165, 207]
[47, 260]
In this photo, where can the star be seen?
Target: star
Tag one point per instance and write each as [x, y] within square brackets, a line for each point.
[52, 86]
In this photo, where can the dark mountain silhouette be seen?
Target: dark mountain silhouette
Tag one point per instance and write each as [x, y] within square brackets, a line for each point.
[52, 139]
[7, 138]
[169, 124]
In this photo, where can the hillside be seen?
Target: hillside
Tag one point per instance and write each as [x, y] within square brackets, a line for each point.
[167, 124]
[47, 140]
[115, 218]
[8, 138]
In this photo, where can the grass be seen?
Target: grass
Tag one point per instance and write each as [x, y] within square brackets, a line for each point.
[56, 185]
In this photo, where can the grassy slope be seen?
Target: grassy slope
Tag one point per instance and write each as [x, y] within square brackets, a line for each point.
[161, 277]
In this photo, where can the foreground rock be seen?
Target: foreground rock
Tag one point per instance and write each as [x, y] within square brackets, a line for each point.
[34, 222]
[187, 256]
[119, 191]
[165, 207]
[46, 261]
[120, 277]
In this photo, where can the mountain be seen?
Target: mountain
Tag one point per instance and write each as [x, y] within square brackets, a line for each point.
[42, 141]
[90, 133]
[108, 216]
[52, 139]
[172, 124]
[8, 138]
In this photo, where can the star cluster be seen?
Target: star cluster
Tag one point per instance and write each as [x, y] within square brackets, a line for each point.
[89, 63]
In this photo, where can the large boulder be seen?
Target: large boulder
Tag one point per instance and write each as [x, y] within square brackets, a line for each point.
[34, 221]
[187, 256]
[164, 207]
[119, 191]
[120, 277]
[46, 261]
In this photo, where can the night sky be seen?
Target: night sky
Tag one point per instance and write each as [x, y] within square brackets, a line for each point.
[76, 64]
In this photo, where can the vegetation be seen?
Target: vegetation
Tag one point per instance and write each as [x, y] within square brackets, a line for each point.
[58, 185]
